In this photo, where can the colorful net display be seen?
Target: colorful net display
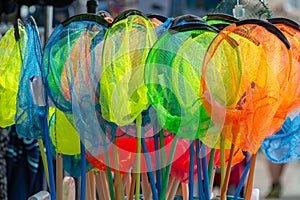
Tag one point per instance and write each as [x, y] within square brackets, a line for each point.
[150, 94]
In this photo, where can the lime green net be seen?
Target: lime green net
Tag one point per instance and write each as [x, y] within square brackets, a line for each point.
[63, 135]
[127, 43]
[10, 66]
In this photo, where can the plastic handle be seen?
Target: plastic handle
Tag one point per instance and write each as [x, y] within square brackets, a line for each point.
[42, 195]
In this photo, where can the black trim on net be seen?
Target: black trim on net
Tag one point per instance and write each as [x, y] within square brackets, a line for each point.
[16, 28]
[285, 21]
[127, 13]
[86, 17]
[157, 16]
[221, 16]
[187, 18]
[220, 26]
[267, 25]
[192, 26]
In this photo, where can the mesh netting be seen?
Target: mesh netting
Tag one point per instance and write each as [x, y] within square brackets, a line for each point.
[127, 43]
[158, 65]
[160, 23]
[31, 94]
[173, 72]
[122, 154]
[123, 95]
[10, 67]
[63, 135]
[284, 145]
[291, 96]
[72, 68]
[244, 77]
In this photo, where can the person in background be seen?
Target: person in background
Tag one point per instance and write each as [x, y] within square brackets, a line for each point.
[275, 171]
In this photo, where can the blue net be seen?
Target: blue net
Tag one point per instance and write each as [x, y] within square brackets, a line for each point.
[161, 23]
[283, 146]
[72, 61]
[31, 103]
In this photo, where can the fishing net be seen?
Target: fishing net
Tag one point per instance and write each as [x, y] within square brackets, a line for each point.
[123, 94]
[10, 67]
[63, 135]
[291, 97]
[73, 70]
[282, 147]
[173, 81]
[31, 103]
[248, 87]
[125, 47]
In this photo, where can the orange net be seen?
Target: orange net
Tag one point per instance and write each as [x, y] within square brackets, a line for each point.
[291, 97]
[245, 75]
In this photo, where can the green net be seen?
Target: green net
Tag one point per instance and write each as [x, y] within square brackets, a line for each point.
[173, 74]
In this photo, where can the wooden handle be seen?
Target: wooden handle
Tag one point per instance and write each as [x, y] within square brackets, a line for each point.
[250, 178]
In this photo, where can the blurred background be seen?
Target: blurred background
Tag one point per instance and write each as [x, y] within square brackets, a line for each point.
[63, 9]
[60, 10]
